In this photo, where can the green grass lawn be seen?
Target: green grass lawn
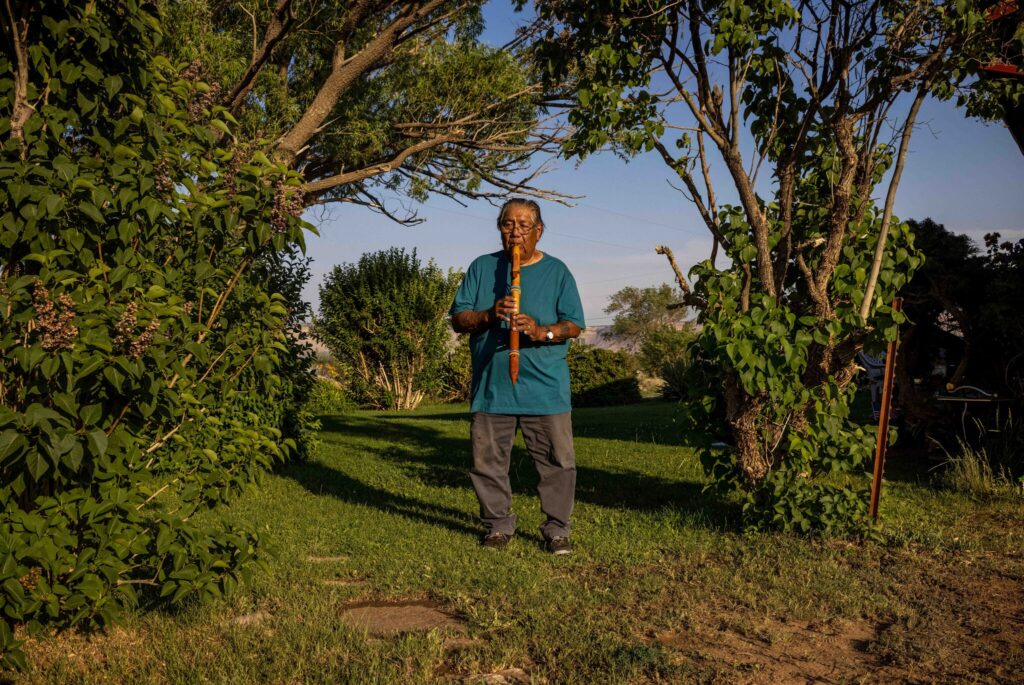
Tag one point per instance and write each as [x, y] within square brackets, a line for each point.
[663, 585]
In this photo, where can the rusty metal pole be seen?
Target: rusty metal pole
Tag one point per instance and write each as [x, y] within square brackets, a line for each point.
[883, 418]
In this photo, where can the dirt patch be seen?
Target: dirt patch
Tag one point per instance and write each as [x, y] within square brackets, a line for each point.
[772, 651]
[954, 623]
[458, 642]
[388, 618]
[949, 623]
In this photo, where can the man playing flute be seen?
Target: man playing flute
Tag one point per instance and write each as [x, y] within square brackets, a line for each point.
[538, 403]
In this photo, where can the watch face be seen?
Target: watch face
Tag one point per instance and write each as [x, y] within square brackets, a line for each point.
[550, 335]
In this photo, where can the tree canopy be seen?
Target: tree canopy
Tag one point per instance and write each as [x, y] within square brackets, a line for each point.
[370, 101]
[640, 311]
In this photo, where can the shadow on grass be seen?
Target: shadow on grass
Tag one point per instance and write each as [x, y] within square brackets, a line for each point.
[649, 421]
[442, 460]
[324, 480]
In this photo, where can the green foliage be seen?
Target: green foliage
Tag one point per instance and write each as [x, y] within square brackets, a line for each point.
[383, 319]
[658, 334]
[457, 371]
[639, 311]
[668, 354]
[149, 371]
[329, 396]
[797, 419]
[781, 320]
[438, 79]
[599, 377]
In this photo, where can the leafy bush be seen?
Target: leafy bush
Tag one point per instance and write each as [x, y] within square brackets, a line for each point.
[148, 369]
[599, 377]
[457, 372]
[664, 346]
[383, 319]
[666, 353]
[329, 397]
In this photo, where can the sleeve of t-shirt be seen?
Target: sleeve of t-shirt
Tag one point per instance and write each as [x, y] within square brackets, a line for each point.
[465, 298]
[569, 306]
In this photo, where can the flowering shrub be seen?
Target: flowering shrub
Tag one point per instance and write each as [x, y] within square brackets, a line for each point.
[147, 280]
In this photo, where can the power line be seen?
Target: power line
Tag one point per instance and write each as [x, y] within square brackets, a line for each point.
[618, 278]
[630, 216]
[601, 242]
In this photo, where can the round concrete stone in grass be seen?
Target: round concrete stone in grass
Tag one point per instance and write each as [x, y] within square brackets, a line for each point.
[403, 616]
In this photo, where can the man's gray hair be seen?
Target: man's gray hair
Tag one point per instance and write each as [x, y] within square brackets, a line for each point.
[520, 202]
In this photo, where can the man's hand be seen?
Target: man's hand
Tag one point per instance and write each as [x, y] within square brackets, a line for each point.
[477, 321]
[563, 330]
[504, 308]
[525, 324]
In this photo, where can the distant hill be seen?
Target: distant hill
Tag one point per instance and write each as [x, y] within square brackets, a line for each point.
[601, 336]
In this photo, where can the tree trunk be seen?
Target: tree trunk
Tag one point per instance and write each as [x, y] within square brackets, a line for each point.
[742, 412]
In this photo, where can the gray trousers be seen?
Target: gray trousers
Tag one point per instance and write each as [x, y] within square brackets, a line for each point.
[549, 441]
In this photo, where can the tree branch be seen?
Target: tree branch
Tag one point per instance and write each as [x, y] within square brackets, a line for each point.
[281, 20]
[22, 110]
[344, 73]
[319, 186]
[890, 201]
[688, 297]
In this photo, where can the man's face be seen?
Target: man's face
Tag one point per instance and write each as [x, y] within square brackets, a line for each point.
[519, 227]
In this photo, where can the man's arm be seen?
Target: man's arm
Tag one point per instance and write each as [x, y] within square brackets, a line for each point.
[469, 321]
[563, 330]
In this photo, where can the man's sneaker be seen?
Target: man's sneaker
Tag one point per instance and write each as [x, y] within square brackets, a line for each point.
[559, 545]
[496, 540]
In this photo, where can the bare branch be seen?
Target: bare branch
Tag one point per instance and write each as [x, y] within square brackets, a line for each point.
[688, 297]
[679, 166]
[890, 200]
[319, 186]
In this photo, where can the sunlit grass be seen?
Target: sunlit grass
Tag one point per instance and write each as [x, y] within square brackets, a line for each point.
[383, 510]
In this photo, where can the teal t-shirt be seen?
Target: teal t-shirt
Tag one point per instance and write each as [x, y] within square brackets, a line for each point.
[549, 295]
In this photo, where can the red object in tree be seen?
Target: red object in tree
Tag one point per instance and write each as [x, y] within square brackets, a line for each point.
[1002, 69]
[1001, 9]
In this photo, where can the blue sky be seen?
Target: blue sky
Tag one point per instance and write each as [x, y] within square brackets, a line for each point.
[963, 173]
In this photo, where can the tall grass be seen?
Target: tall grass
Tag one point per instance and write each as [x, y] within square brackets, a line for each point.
[994, 468]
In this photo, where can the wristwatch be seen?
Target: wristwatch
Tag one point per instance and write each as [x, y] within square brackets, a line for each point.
[550, 335]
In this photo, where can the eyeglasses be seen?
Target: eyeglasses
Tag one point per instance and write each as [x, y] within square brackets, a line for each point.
[509, 226]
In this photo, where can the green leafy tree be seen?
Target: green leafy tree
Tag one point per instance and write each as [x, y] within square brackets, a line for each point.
[145, 341]
[653, 322]
[821, 97]
[370, 100]
[384, 320]
[668, 354]
[640, 311]
[457, 373]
